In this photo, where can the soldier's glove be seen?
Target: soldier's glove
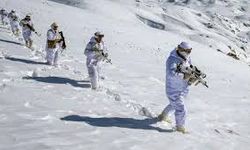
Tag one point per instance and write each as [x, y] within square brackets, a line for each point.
[184, 69]
[105, 54]
[63, 46]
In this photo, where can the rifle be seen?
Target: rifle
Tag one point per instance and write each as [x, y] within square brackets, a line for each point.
[193, 75]
[108, 60]
[32, 29]
[105, 57]
[63, 40]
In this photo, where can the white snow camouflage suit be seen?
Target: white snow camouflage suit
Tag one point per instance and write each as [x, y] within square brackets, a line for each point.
[27, 32]
[14, 22]
[4, 17]
[52, 46]
[176, 88]
[93, 53]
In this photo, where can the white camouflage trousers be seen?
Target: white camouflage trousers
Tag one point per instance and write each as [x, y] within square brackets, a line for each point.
[93, 67]
[4, 20]
[177, 105]
[52, 56]
[14, 27]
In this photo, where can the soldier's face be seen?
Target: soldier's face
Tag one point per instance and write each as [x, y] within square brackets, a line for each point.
[182, 50]
[55, 28]
[99, 39]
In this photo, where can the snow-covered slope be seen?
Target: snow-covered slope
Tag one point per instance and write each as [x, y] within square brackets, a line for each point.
[55, 109]
[223, 25]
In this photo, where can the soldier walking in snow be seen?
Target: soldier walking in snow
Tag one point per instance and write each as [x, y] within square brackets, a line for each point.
[14, 22]
[4, 17]
[54, 43]
[177, 83]
[94, 52]
[11, 14]
[27, 29]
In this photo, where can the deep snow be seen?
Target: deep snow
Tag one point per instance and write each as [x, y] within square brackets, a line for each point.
[56, 109]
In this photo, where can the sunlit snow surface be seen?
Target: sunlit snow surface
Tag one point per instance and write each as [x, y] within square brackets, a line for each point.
[44, 107]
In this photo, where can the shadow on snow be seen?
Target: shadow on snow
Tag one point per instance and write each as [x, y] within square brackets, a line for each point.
[60, 80]
[129, 123]
[11, 42]
[25, 60]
